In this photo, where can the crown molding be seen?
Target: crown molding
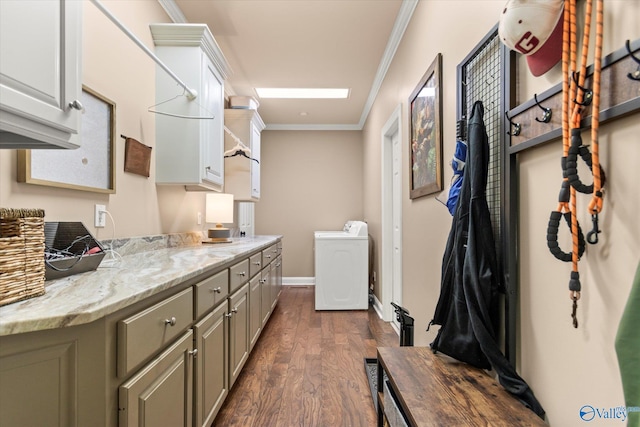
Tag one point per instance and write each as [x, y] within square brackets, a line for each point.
[312, 127]
[173, 11]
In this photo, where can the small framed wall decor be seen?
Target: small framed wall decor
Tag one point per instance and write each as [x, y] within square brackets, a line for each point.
[90, 167]
[425, 130]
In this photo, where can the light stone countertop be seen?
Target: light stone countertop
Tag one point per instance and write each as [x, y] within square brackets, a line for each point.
[85, 297]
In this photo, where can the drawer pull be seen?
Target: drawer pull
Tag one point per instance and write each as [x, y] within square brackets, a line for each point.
[193, 352]
[268, 256]
[256, 263]
[234, 310]
[242, 273]
[275, 251]
[217, 290]
[171, 321]
[228, 315]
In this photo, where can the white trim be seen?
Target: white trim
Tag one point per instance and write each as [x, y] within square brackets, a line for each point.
[377, 306]
[298, 281]
[391, 127]
[312, 127]
[402, 21]
[173, 10]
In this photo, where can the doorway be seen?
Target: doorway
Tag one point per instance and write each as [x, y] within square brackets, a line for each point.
[391, 248]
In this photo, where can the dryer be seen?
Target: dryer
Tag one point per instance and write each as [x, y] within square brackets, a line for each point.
[342, 268]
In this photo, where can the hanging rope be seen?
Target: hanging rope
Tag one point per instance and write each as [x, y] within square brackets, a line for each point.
[575, 97]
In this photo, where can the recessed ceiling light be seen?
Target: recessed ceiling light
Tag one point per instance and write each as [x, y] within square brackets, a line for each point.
[304, 113]
[299, 93]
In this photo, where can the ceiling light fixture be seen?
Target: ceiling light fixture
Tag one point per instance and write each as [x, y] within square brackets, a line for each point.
[301, 93]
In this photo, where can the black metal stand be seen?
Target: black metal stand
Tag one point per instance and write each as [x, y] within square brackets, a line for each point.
[406, 325]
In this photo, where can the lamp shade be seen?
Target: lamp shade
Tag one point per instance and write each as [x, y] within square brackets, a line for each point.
[219, 208]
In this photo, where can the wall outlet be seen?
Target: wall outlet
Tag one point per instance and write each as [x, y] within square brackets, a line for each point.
[100, 217]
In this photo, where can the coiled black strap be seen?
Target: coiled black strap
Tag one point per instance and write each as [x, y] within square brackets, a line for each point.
[552, 237]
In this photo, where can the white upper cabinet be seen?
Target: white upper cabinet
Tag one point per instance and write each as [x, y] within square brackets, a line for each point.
[189, 132]
[242, 175]
[40, 73]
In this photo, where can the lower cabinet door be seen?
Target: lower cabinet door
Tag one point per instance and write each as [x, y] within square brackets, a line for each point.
[211, 373]
[160, 394]
[255, 320]
[239, 332]
[265, 312]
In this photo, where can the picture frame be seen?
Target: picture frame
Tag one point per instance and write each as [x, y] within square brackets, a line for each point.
[90, 167]
[425, 133]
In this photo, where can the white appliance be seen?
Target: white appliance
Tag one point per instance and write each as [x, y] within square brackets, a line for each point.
[342, 267]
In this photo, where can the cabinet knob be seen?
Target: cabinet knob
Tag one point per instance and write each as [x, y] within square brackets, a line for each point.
[234, 310]
[76, 105]
[268, 256]
[228, 315]
[217, 290]
[256, 263]
[242, 273]
[171, 321]
[193, 352]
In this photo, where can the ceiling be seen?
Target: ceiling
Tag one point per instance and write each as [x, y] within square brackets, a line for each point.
[303, 43]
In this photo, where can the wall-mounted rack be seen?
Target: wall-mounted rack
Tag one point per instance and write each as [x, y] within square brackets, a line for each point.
[619, 96]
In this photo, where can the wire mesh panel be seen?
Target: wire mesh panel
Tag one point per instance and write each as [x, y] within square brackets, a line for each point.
[482, 81]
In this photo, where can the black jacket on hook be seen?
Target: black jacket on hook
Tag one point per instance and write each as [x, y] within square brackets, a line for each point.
[468, 309]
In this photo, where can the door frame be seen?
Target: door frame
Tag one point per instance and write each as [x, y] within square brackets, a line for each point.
[392, 127]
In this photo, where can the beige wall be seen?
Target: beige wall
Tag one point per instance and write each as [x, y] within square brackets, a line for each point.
[310, 181]
[567, 368]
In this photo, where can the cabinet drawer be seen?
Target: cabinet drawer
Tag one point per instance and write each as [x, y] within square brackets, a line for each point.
[146, 332]
[269, 255]
[210, 291]
[238, 275]
[255, 264]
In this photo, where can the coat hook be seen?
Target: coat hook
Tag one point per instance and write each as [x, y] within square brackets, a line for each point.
[588, 93]
[515, 126]
[546, 116]
[635, 75]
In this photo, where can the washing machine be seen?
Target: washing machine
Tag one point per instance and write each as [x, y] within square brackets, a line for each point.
[342, 267]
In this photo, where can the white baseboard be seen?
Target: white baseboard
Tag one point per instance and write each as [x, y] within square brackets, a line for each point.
[377, 306]
[289, 281]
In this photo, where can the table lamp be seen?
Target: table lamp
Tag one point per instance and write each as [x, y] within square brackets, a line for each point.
[219, 210]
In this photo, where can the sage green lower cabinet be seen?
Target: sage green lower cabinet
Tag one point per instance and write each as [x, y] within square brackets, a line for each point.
[238, 331]
[211, 373]
[255, 305]
[167, 360]
[265, 311]
[161, 393]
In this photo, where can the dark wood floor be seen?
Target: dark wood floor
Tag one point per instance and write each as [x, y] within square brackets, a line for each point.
[307, 368]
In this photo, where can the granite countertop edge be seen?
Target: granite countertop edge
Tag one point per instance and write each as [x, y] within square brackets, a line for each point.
[119, 283]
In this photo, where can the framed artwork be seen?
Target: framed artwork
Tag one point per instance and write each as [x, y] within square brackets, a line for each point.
[90, 167]
[425, 130]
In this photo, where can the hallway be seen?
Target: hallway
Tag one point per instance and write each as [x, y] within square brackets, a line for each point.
[307, 368]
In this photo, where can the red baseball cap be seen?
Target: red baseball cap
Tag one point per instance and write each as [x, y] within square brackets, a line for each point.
[534, 28]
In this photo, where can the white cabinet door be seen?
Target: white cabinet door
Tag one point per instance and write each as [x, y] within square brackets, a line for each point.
[212, 137]
[255, 166]
[242, 175]
[189, 132]
[40, 73]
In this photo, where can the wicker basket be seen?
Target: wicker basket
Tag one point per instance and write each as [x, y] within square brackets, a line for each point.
[21, 254]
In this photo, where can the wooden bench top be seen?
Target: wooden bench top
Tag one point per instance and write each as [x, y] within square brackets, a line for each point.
[434, 390]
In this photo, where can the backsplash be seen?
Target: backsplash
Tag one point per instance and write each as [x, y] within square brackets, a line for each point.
[132, 245]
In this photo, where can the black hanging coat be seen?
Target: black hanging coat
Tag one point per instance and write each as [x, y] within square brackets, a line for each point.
[468, 307]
